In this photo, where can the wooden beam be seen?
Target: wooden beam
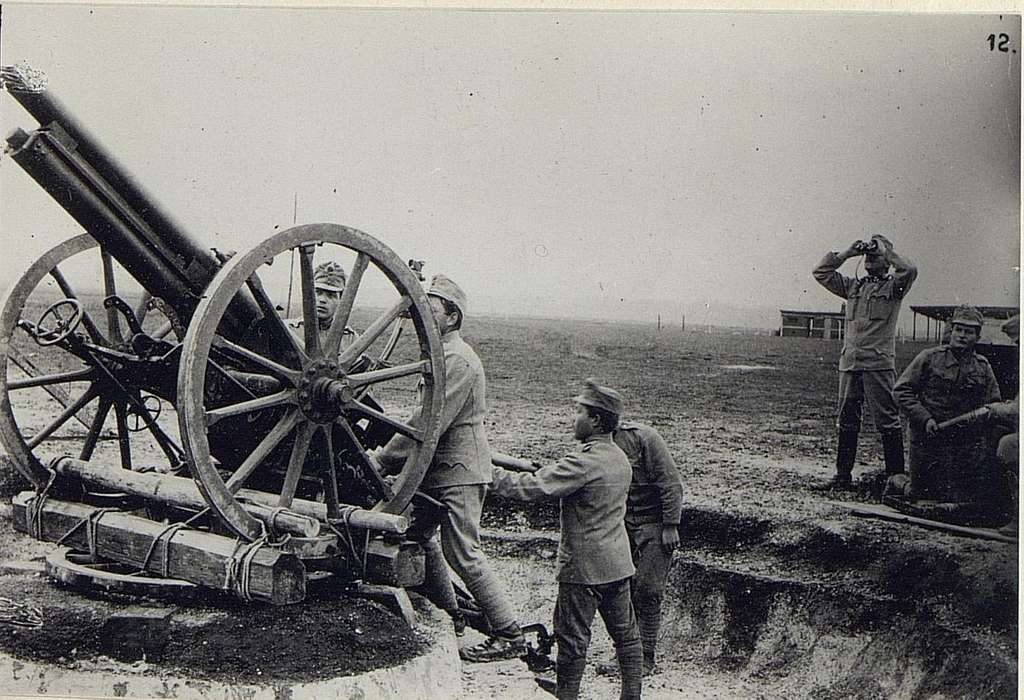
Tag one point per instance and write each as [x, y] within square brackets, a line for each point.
[177, 491]
[871, 510]
[191, 555]
[353, 515]
[401, 565]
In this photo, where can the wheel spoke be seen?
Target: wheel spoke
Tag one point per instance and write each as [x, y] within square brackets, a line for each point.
[383, 375]
[90, 394]
[343, 313]
[310, 321]
[123, 441]
[303, 436]
[217, 414]
[280, 371]
[372, 332]
[269, 312]
[402, 428]
[95, 429]
[90, 326]
[266, 446]
[110, 290]
[382, 486]
[81, 375]
[171, 449]
[331, 482]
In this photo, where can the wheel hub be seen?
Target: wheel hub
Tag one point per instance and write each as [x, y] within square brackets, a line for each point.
[323, 390]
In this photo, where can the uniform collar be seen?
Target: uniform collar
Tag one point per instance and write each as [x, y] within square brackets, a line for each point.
[876, 279]
[598, 437]
[450, 336]
[952, 359]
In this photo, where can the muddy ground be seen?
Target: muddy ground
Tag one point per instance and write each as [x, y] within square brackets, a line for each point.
[776, 589]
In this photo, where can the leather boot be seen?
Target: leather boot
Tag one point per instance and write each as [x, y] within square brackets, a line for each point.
[846, 454]
[892, 448]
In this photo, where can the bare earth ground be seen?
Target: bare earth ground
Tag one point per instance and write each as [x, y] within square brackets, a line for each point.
[750, 422]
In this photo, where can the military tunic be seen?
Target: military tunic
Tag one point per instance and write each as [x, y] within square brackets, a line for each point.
[593, 556]
[593, 485]
[656, 491]
[463, 455]
[939, 385]
[872, 309]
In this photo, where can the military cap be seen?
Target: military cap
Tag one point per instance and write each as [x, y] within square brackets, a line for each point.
[443, 288]
[330, 276]
[601, 397]
[1011, 327]
[967, 315]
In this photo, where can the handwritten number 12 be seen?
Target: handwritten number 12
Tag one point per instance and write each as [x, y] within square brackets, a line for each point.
[999, 42]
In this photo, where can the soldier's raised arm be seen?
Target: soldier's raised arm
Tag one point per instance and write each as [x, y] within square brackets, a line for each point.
[827, 274]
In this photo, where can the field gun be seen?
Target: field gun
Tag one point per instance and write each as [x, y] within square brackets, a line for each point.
[242, 435]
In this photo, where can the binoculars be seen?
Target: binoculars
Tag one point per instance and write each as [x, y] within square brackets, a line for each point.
[866, 246]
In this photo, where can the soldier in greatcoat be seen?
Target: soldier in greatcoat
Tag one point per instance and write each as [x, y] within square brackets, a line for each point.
[594, 563]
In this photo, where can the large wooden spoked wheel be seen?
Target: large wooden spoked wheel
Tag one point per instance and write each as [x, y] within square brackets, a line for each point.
[55, 402]
[316, 382]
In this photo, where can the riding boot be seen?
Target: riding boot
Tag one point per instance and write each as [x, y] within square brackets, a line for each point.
[892, 447]
[846, 454]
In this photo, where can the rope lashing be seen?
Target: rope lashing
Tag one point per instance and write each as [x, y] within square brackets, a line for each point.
[35, 507]
[90, 521]
[347, 538]
[238, 567]
[169, 532]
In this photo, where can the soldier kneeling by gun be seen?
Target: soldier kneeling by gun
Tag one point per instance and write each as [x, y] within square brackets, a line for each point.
[941, 391]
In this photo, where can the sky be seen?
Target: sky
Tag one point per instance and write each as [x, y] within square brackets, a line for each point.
[619, 164]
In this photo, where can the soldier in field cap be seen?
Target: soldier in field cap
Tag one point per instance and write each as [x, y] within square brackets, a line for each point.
[459, 477]
[329, 280]
[595, 567]
[942, 383]
[867, 365]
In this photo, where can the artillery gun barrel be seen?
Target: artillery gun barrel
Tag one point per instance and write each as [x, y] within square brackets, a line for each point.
[71, 165]
[195, 260]
[60, 174]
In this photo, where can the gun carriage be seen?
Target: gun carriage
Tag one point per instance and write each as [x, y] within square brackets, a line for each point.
[264, 479]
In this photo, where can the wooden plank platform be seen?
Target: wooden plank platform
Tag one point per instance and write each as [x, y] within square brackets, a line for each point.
[202, 558]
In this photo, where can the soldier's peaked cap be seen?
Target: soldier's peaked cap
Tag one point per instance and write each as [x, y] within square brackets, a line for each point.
[601, 397]
[330, 276]
[967, 315]
[442, 287]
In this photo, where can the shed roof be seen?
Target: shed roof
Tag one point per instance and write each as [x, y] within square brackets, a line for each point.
[816, 314]
[945, 312]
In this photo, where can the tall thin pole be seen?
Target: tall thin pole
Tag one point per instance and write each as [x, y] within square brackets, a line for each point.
[291, 265]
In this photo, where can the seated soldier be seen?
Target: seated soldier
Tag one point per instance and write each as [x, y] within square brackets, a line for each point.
[941, 383]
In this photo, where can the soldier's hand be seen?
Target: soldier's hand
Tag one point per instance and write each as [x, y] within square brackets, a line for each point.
[931, 427]
[669, 537]
[854, 250]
